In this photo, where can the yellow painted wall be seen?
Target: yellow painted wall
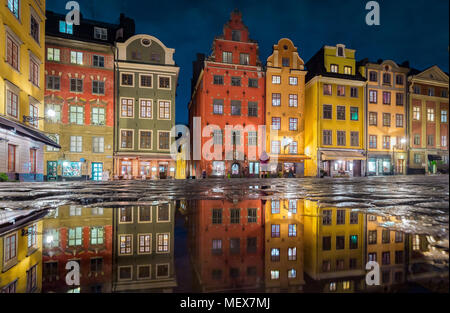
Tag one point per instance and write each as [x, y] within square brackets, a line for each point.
[21, 28]
[285, 49]
[25, 260]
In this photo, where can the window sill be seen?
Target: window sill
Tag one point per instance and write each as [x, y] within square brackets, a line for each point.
[9, 264]
[32, 249]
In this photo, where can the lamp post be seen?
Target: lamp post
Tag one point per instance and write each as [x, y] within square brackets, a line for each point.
[31, 119]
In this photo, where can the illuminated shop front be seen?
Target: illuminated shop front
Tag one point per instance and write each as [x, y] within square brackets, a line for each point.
[380, 165]
[137, 168]
[71, 169]
[342, 163]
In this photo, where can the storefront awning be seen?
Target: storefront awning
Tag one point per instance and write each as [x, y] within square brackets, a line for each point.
[342, 155]
[27, 132]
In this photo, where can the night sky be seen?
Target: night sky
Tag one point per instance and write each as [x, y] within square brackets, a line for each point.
[410, 30]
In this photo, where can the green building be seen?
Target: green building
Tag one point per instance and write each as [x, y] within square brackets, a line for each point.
[146, 81]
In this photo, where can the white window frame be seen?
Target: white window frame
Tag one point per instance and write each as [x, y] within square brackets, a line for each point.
[120, 138]
[170, 82]
[127, 73]
[98, 142]
[76, 142]
[144, 74]
[151, 136]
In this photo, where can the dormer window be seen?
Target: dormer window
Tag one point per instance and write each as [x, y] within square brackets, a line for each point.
[348, 70]
[65, 28]
[285, 62]
[236, 35]
[386, 79]
[100, 33]
[340, 51]
[334, 68]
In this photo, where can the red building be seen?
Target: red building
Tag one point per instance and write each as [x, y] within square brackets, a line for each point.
[226, 241]
[228, 90]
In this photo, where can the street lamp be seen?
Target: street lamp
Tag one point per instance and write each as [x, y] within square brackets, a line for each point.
[31, 119]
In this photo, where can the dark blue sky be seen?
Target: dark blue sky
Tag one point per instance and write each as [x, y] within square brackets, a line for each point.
[410, 30]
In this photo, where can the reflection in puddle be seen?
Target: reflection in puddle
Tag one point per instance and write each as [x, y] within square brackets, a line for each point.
[229, 244]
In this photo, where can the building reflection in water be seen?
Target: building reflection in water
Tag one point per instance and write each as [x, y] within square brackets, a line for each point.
[253, 245]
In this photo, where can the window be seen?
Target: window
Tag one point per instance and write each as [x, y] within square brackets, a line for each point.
[292, 254]
[398, 257]
[235, 216]
[399, 79]
[217, 137]
[97, 235]
[53, 82]
[292, 273]
[50, 270]
[32, 279]
[53, 54]
[252, 108]
[98, 144]
[348, 70]
[353, 92]
[163, 213]
[34, 113]
[145, 243]
[34, 71]
[98, 87]
[326, 266]
[244, 59]
[417, 139]
[340, 51]
[386, 79]
[293, 147]
[334, 68]
[276, 123]
[14, 7]
[340, 138]
[76, 144]
[164, 82]
[227, 57]
[293, 100]
[293, 124]
[417, 90]
[373, 77]
[34, 24]
[386, 258]
[98, 61]
[251, 244]
[326, 217]
[275, 230]
[75, 236]
[126, 79]
[71, 169]
[386, 97]
[162, 243]
[275, 206]
[252, 215]
[235, 81]
[76, 85]
[145, 108]
[76, 57]
[125, 244]
[252, 138]
[76, 114]
[327, 89]
[373, 117]
[398, 236]
[386, 142]
[10, 248]
[285, 62]
[399, 120]
[326, 243]
[145, 139]
[340, 266]
[444, 116]
[100, 33]
[327, 137]
[12, 53]
[372, 141]
[127, 107]
[236, 35]
[217, 246]
[416, 113]
[327, 111]
[417, 158]
[145, 214]
[253, 82]
[65, 28]
[372, 256]
[218, 80]
[354, 139]
[164, 110]
[55, 138]
[218, 106]
[430, 140]
[164, 140]
[386, 119]
[276, 79]
[275, 147]
[444, 93]
[340, 242]
[293, 81]
[126, 138]
[354, 242]
[373, 96]
[385, 236]
[430, 114]
[340, 217]
[217, 216]
[340, 112]
[399, 99]
[431, 92]
[274, 274]
[443, 141]
[235, 245]
[372, 237]
[354, 113]
[235, 107]
[340, 90]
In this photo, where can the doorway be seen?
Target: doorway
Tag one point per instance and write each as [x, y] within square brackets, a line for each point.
[97, 171]
[52, 170]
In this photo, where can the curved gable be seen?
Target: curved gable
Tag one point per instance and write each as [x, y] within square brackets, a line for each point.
[146, 49]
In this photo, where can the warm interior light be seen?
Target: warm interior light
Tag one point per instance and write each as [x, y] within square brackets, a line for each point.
[51, 113]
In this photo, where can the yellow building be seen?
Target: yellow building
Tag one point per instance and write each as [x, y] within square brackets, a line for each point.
[22, 83]
[21, 253]
[285, 105]
[334, 138]
[388, 248]
[284, 245]
[334, 248]
[386, 134]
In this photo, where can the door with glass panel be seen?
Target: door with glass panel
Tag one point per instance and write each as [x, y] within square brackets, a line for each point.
[97, 170]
